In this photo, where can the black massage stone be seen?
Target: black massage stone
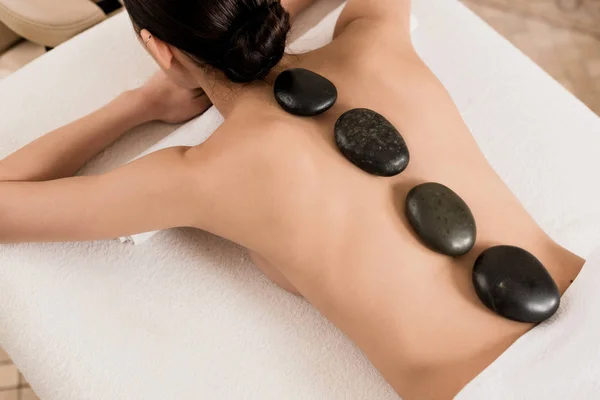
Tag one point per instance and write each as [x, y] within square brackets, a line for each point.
[441, 219]
[302, 92]
[371, 142]
[513, 283]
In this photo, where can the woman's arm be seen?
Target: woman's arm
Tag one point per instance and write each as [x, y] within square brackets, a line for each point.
[152, 193]
[155, 192]
[63, 152]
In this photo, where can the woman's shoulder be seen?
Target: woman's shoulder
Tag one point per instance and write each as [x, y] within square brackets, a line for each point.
[364, 48]
[250, 171]
[252, 140]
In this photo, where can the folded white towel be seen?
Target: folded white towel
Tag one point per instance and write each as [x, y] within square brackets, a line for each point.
[198, 130]
[191, 134]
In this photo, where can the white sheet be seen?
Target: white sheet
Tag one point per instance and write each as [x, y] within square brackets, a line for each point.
[186, 316]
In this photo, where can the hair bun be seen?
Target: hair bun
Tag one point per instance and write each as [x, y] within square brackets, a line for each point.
[257, 43]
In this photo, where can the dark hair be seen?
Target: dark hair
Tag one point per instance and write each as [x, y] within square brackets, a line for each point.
[243, 38]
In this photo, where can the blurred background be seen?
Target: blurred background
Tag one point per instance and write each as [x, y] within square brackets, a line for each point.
[562, 36]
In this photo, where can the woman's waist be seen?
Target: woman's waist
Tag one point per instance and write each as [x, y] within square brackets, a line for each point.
[407, 311]
[411, 309]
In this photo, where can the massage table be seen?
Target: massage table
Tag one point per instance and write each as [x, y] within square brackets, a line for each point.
[186, 315]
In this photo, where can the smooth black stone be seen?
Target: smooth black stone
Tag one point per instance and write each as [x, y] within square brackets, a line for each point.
[441, 219]
[304, 93]
[513, 283]
[371, 142]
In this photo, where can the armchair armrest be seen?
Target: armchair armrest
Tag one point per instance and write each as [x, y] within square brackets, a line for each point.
[49, 22]
[7, 37]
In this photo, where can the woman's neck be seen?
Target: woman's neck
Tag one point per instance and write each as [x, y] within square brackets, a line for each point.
[227, 95]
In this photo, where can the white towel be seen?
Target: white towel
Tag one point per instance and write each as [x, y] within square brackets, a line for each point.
[198, 130]
[191, 134]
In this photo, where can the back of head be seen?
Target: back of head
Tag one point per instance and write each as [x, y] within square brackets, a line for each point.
[243, 38]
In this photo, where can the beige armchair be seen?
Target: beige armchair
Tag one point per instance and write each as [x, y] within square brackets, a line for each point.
[51, 22]
[7, 37]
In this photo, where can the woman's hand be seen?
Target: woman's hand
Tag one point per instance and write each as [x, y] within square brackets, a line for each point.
[164, 101]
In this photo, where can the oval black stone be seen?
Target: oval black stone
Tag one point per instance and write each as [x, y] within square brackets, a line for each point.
[304, 93]
[513, 283]
[371, 142]
[441, 219]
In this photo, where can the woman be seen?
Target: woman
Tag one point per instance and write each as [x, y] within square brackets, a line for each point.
[277, 184]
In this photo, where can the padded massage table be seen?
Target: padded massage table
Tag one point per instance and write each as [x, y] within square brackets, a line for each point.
[185, 315]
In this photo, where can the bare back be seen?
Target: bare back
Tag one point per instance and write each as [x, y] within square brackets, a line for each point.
[340, 236]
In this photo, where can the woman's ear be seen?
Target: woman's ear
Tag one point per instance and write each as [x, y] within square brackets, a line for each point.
[160, 51]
